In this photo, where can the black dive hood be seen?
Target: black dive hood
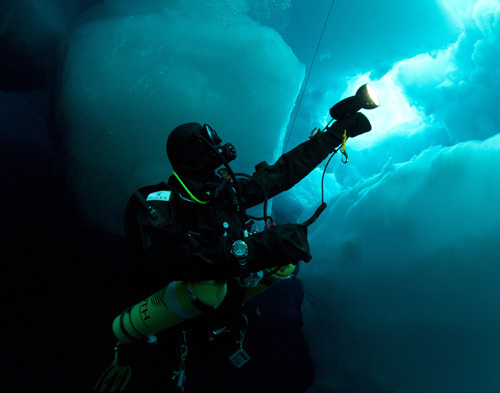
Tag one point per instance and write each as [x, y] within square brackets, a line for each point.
[195, 151]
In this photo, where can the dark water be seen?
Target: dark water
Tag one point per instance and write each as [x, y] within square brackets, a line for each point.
[63, 283]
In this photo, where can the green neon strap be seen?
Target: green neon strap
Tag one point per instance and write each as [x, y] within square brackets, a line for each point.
[189, 192]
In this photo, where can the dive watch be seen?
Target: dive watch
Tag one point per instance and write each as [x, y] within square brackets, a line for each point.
[239, 250]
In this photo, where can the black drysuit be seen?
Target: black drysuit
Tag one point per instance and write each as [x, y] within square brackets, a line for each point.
[193, 241]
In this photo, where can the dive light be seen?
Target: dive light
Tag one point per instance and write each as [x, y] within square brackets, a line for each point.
[365, 98]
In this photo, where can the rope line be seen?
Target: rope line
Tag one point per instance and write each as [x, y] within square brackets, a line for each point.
[308, 75]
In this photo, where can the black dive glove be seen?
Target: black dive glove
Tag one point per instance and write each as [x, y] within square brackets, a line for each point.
[279, 245]
[355, 125]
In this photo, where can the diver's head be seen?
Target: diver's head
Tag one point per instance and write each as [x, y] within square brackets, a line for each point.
[195, 151]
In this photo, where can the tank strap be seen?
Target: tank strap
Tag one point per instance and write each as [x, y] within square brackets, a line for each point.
[124, 330]
[197, 303]
[174, 304]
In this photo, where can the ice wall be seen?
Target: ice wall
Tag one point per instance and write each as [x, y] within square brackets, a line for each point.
[132, 72]
[402, 294]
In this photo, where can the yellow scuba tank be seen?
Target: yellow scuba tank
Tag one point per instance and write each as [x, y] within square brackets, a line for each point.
[178, 301]
[167, 307]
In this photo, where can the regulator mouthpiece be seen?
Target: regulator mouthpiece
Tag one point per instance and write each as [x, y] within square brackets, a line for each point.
[228, 151]
[210, 137]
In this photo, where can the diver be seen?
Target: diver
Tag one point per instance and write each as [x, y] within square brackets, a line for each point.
[199, 253]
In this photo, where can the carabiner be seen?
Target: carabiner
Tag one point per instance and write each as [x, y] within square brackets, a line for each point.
[344, 157]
